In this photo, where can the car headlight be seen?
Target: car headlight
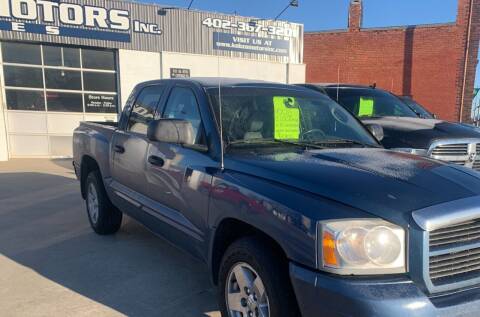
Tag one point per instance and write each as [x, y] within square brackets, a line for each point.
[361, 247]
[421, 152]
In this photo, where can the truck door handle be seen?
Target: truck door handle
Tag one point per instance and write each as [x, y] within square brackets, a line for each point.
[119, 149]
[155, 160]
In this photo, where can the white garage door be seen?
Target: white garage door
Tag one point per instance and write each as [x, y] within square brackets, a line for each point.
[48, 90]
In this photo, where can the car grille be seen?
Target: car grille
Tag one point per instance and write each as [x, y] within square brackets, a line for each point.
[455, 253]
[460, 153]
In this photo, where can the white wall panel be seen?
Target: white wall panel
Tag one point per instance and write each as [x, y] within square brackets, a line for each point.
[61, 146]
[28, 145]
[61, 123]
[296, 73]
[212, 66]
[135, 67]
[26, 122]
[100, 117]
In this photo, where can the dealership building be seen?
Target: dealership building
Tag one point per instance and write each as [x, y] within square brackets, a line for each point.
[62, 62]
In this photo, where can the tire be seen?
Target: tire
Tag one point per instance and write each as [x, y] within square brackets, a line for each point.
[253, 254]
[103, 216]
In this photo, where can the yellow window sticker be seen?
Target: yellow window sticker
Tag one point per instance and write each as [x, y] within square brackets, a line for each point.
[366, 107]
[287, 118]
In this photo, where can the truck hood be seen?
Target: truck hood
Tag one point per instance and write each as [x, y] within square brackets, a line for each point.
[383, 183]
[401, 132]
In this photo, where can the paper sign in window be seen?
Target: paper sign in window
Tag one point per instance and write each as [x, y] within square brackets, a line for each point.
[366, 107]
[287, 118]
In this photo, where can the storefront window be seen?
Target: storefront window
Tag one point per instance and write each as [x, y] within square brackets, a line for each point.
[63, 79]
[98, 59]
[28, 78]
[64, 102]
[19, 76]
[94, 81]
[61, 56]
[21, 53]
[25, 100]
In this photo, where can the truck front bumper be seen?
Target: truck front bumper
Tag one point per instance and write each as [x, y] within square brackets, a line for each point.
[320, 294]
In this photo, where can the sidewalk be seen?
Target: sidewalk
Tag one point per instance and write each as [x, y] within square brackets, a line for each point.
[52, 264]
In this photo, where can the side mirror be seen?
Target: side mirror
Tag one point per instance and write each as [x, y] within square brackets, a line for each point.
[171, 131]
[376, 130]
[434, 116]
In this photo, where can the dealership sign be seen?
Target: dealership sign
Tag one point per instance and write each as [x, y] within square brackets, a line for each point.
[250, 44]
[259, 38]
[71, 20]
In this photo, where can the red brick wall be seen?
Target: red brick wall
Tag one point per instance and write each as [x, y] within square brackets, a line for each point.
[426, 62]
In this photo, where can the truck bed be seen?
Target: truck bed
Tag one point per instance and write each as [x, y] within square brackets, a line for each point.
[93, 139]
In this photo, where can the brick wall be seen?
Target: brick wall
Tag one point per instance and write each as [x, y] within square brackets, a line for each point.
[426, 62]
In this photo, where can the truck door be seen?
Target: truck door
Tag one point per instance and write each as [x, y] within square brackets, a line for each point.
[129, 146]
[177, 176]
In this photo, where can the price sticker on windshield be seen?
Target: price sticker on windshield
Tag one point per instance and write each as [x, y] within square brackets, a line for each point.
[366, 107]
[286, 118]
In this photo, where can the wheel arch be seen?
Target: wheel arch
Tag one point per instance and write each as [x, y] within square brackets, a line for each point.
[88, 164]
[231, 229]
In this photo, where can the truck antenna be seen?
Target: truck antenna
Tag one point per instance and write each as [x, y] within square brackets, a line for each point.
[338, 82]
[220, 124]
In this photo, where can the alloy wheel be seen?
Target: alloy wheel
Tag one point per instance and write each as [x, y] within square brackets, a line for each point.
[245, 293]
[92, 202]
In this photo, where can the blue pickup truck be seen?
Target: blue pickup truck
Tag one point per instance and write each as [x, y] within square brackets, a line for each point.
[293, 205]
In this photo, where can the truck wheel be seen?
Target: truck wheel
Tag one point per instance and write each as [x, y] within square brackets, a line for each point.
[103, 216]
[254, 283]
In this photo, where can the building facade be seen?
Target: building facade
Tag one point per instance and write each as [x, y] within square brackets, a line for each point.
[62, 62]
[434, 64]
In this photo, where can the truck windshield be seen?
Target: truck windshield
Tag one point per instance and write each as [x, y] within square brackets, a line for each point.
[418, 108]
[368, 102]
[259, 115]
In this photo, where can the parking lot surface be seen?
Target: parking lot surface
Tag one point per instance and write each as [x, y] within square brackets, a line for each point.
[52, 264]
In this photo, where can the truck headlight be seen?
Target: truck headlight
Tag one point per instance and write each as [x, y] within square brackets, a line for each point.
[361, 247]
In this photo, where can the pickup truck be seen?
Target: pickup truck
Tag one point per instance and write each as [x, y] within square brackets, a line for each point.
[290, 201]
[403, 129]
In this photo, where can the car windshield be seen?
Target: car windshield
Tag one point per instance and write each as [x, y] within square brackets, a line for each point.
[285, 117]
[369, 102]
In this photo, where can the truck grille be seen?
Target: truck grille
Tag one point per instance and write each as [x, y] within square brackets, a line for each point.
[453, 235]
[451, 149]
[458, 152]
[455, 253]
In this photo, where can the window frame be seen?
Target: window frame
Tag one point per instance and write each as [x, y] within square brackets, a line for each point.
[201, 135]
[156, 110]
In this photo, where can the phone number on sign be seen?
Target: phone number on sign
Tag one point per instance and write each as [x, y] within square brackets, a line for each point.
[247, 27]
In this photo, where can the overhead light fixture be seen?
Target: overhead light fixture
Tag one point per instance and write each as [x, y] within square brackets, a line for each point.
[163, 11]
[292, 3]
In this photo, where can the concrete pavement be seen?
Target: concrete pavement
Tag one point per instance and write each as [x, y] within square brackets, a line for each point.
[52, 264]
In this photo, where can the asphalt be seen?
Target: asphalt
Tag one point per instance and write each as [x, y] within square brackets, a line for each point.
[52, 264]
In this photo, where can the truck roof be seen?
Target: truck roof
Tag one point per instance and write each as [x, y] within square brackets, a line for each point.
[334, 85]
[209, 82]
